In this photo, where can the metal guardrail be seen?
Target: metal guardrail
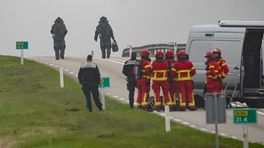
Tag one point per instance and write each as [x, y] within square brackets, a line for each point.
[152, 48]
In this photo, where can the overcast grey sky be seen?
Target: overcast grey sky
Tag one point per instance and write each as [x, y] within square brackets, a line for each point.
[135, 22]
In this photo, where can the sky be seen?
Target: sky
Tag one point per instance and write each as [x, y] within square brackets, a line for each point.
[134, 22]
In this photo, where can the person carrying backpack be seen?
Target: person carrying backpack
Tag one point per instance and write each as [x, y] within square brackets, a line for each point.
[105, 33]
[130, 70]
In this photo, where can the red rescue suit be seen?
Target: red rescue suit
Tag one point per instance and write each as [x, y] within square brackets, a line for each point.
[160, 79]
[213, 75]
[183, 71]
[143, 84]
[224, 68]
[172, 82]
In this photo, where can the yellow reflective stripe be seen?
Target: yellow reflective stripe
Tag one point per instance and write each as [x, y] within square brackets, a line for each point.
[211, 66]
[160, 71]
[182, 104]
[147, 66]
[223, 74]
[186, 78]
[173, 69]
[183, 71]
[192, 103]
[148, 77]
[212, 77]
[158, 103]
[159, 79]
[215, 71]
[223, 64]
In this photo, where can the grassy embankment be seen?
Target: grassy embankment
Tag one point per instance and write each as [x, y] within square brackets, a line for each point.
[35, 112]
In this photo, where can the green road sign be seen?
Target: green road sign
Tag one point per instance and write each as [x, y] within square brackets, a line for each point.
[21, 45]
[245, 116]
[105, 82]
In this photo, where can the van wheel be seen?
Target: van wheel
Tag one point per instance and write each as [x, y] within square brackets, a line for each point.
[255, 103]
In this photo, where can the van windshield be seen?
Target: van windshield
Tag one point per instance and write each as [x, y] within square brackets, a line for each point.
[231, 50]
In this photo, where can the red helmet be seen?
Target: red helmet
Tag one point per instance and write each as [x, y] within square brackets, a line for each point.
[208, 54]
[169, 54]
[181, 54]
[159, 54]
[216, 50]
[145, 53]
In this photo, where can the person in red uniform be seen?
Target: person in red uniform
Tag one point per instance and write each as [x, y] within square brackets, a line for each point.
[160, 80]
[143, 80]
[183, 70]
[169, 56]
[223, 65]
[221, 61]
[213, 74]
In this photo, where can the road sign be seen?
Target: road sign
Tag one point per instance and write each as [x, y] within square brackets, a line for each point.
[245, 116]
[105, 82]
[21, 45]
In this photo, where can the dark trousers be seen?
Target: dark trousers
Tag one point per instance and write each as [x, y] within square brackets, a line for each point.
[59, 52]
[105, 48]
[108, 52]
[131, 85]
[87, 90]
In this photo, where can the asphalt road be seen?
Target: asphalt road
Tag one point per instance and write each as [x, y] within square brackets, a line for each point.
[196, 119]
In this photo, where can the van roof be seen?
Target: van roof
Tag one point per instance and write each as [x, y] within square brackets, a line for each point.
[216, 28]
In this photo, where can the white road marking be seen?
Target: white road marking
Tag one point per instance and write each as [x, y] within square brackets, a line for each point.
[177, 120]
[223, 134]
[116, 96]
[193, 126]
[122, 99]
[185, 123]
[71, 72]
[234, 137]
[204, 129]
[261, 113]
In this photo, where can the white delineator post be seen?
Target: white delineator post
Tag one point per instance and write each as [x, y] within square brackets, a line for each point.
[245, 136]
[102, 97]
[130, 50]
[167, 119]
[61, 78]
[22, 56]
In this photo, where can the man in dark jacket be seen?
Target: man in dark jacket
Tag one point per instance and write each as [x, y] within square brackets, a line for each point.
[89, 78]
[59, 32]
[130, 70]
[105, 32]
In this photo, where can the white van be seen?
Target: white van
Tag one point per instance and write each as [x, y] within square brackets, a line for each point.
[241, 43]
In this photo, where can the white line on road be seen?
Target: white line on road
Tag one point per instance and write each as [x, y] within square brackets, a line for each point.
[261, 113]
[234, 137]
[204, 129]
[185, 123]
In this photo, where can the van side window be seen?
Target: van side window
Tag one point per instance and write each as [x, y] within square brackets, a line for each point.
[231, 50]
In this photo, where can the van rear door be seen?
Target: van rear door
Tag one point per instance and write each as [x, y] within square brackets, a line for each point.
[251, 65]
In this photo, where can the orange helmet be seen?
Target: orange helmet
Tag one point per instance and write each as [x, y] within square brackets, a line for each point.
[145, 53]
[169, 54]
[181, 54]
[208, 54]
[159, 54]
[216, 50]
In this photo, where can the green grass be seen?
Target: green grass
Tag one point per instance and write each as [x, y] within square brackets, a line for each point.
[36, 113]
